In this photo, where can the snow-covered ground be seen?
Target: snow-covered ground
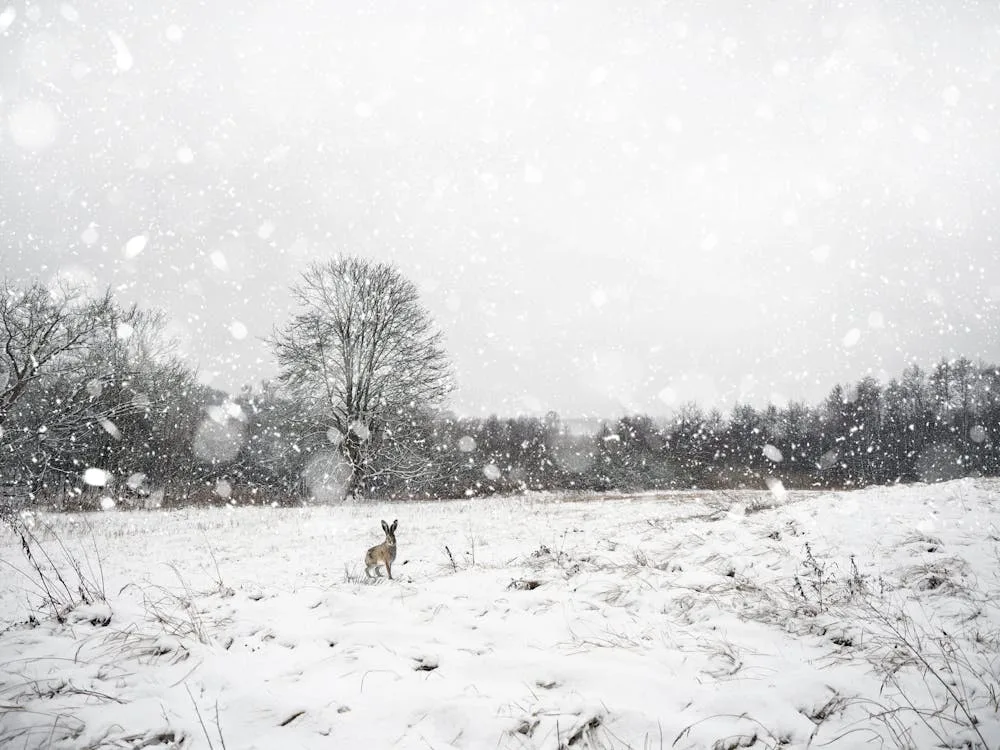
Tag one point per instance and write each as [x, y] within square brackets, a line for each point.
[687, 620]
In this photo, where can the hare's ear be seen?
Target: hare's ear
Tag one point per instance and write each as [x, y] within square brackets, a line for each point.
[385, 527]
[394, 525]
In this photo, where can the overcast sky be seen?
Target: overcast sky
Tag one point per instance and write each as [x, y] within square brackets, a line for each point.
[608, 207]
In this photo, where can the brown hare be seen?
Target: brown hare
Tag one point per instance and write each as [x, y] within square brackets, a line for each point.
[384, 553]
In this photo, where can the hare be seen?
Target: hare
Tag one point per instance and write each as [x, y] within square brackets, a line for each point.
[384, 553]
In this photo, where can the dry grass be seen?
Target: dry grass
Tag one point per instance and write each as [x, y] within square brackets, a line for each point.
[60, 578]
[940, 670]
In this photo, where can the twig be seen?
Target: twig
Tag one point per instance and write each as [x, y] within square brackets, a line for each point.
[904, 639]
[200, 719]
[218, 726]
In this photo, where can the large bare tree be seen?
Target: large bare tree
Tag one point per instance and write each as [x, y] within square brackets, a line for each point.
[364, 358]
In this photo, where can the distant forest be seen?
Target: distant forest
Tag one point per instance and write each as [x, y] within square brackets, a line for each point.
[159, 433]
[96, 410]
[919, 427]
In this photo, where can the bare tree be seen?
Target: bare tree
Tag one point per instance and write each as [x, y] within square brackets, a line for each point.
[44, 333]
[363, 357]
[120, 399]
[41, 332]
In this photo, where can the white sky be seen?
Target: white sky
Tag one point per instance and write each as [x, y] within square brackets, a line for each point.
[607, 208]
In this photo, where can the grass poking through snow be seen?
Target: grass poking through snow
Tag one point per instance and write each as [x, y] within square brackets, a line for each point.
[681, 620]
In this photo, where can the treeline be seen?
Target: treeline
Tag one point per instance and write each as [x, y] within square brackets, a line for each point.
[922, 426]
[94, 408]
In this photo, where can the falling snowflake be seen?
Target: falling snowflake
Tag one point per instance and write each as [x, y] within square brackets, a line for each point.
[237, 330]
[219, 260]
[123, 58]
[33, 125]
[95, 477]
[773, 454]
[135, 245]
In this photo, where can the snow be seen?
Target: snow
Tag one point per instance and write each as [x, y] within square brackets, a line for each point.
[237, 330]
[109, 427]
[68, 12]
[668, 396]
[123, 57]
[215, 441]
[360, 429]
[96, 477]
[533, 175]
[174, 33]
[851, 338]
[135, 245]
[7, 16]
[326, 475]
[90, 235]
[219, 260]
[34, 125]
[773, 453]
[689, 620]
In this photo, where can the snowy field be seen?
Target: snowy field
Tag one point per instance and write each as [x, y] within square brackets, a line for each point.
[681, 620]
